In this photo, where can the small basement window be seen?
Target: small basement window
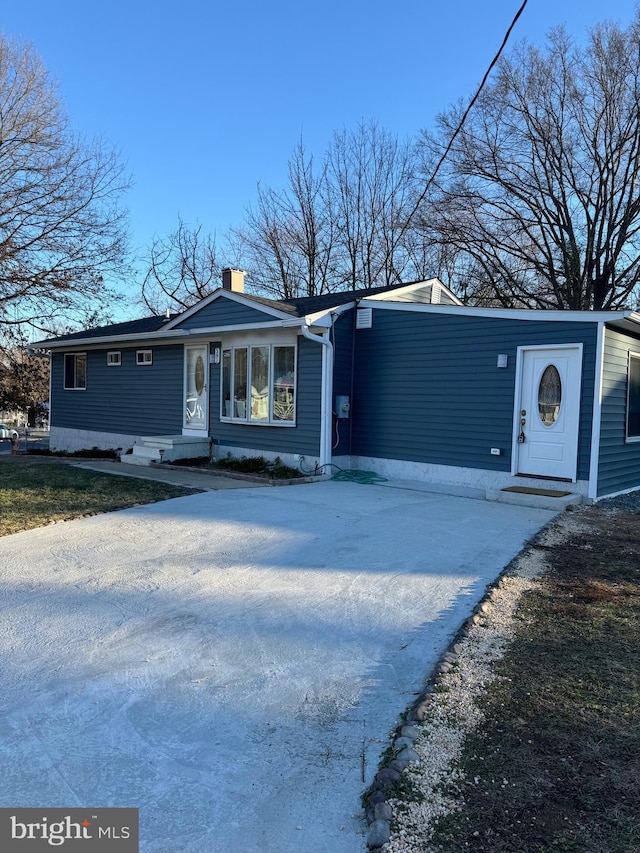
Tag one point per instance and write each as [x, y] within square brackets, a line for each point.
[144, 356]
[633, 397]
[75, 371]
[114, 359]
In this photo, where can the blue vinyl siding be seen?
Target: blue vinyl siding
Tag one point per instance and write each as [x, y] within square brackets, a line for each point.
[224, 312]
[619, 467]
[343, 338]
[428, 388]
[129, 398]
[303, 438]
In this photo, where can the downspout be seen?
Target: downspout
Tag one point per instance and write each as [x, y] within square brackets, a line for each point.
[326, 409]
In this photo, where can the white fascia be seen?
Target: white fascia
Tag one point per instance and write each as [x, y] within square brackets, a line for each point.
[171, 336]
[323, 319]
[530, 314]
[416, 285]
[125, 340]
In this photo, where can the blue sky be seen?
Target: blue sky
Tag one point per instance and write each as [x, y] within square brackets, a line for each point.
[206, 99]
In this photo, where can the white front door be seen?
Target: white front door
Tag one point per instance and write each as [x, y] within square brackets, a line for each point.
[196, 389]
[548, 414]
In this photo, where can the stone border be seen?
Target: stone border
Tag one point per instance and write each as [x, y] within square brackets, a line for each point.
[379, 796]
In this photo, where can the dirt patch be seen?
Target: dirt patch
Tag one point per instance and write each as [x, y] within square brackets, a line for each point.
[548, 758]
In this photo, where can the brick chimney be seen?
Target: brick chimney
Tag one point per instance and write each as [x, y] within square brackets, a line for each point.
[233, 280]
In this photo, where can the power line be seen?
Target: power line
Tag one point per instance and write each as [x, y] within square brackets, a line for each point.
[460, 125]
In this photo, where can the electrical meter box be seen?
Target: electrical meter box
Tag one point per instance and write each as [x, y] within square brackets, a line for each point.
[342, 407]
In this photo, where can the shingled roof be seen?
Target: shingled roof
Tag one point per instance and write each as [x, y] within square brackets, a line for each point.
[312, 304]
[295, 307]
[130, 327]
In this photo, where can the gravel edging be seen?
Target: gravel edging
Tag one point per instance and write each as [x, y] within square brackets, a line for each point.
[406, 794]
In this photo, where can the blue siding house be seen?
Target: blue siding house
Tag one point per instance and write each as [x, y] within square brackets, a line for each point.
[403, 380]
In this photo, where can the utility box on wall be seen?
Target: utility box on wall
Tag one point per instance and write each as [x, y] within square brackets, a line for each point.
[342, 407]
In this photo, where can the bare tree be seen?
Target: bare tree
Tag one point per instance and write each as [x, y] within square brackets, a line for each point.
[289, 237]
[62, 230]
[182, 268]
[339, 225]
[24, 378]
[539, 197]
[370, 187]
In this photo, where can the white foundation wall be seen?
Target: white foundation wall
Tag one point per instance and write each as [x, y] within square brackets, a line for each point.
[306, 464]
[70, 440]
[457, 477]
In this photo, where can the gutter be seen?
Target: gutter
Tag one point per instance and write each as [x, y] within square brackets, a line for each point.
[326, 409]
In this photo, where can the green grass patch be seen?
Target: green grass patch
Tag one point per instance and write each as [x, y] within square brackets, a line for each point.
[33, 494]
[554, 767]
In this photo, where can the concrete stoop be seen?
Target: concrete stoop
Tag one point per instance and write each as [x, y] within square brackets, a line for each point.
[166, 448]
[553, 499]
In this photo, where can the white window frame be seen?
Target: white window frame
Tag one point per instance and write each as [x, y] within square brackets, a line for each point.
[630, 437]
[75, 386]
[144, 357]
[248, 345]
[114, 358]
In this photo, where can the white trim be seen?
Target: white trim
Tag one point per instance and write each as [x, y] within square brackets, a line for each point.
[144, 361]
[417, 286]
[74, 387]
[172, 337]
[198, 431]
[617, 494]
[596, 423]
[114, 362]
[289, 342]
[517, 400]
[629, 439]
[530, 314]
[517, 406]
[100, 342]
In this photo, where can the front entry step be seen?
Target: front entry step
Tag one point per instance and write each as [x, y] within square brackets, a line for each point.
[166, 448]
[554, 499]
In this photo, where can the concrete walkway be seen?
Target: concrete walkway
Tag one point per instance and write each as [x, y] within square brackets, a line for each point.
[232, 663]
[173, 475]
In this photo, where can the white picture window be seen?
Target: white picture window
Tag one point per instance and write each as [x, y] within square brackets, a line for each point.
[144, 356]
[114, 359]
[259, 384]
[75, 371]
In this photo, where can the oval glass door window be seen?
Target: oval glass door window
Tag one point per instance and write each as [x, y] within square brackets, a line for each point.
[199, 375]
[550, 395]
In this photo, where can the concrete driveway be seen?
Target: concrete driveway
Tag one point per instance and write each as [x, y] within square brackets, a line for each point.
[231, 663]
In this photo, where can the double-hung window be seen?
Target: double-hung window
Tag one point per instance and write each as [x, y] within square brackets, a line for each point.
[633, 397]
[259, 384]
[75, 371]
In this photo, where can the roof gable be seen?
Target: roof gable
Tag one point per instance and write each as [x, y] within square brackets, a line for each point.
[225, 307]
